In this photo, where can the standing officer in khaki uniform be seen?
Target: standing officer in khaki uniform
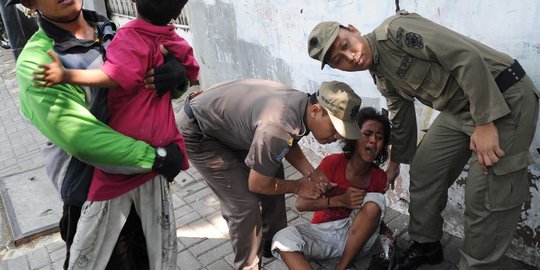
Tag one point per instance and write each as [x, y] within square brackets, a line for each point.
[489, 108]
[237, 134]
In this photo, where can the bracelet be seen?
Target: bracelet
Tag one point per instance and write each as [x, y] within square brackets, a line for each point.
[276, 185]
[329, 202]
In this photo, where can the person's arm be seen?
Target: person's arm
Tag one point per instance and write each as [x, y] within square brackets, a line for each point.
[55, 73]
[402, 114]
[352, 199]
[268, 185]
[327, 169]
[392, 172]
[298, 160]
[89, 77]
[270, 144]
[61, 114]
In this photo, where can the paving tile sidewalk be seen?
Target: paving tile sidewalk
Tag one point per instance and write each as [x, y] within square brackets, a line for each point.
[202, 232]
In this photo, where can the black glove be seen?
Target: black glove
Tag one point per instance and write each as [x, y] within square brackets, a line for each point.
[169, 75]
[168, 161]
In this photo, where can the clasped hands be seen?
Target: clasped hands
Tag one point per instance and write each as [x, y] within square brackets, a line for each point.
[314, 185]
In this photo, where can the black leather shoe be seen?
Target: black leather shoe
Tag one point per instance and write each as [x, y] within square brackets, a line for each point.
[420, 253]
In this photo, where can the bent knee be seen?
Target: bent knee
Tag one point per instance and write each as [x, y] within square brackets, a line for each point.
[371, 209]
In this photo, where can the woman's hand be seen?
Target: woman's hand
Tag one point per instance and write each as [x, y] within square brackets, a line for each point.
[353, 198]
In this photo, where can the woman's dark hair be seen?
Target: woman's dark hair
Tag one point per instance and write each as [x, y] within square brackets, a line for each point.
[160, 12]
[369, 113]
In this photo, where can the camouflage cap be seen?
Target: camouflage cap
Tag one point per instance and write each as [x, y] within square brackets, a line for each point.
[321, 39]
[342, 105]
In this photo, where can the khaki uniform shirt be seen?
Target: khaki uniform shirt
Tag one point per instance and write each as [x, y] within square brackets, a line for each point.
[416, 58]
[262, 117]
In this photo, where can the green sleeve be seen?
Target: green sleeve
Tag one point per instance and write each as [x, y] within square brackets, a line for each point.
[61, 114]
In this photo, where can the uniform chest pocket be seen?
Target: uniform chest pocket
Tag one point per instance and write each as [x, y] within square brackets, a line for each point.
[413, 71]
[426, 79]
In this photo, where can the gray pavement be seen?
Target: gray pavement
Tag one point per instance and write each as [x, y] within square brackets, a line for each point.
[202, 232]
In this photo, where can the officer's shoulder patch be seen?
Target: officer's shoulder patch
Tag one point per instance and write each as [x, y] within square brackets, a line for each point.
[414, 40]
[314, 42]
[283, 153]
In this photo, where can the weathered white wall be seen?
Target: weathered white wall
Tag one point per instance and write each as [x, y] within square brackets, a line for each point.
[267, 39]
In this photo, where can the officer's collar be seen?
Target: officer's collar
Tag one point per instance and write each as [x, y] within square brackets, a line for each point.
[374, 52]
[304, 131]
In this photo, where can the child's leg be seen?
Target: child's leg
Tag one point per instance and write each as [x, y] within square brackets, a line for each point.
[97, 232]
[154, 205]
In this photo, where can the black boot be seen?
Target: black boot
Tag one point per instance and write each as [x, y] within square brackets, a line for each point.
[420, 253]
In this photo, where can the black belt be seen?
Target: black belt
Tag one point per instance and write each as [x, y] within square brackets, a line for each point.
[187, 105]
[188, 110]
[510, 76]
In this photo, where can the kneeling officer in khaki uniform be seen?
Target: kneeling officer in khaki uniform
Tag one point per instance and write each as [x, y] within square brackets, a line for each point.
[237, 134]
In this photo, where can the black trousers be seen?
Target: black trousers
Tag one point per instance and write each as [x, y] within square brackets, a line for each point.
[130, 250]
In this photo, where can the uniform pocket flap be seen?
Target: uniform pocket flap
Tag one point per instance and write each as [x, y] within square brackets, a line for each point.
[512, 163]
[414, 71]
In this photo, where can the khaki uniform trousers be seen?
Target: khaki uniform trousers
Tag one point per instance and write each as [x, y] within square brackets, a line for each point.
[101, 222]
[250, 217]
[492, 202]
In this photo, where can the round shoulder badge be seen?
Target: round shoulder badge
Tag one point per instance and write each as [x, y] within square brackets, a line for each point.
[314, 42]
[414, 40]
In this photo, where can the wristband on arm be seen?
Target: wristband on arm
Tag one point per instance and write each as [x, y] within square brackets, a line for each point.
[168, 161]
[329, 201]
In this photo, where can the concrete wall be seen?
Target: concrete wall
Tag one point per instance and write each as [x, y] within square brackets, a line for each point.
[267, 39]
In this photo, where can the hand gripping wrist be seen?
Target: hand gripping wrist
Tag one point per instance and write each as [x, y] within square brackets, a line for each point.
[297, 187]
[168, 161]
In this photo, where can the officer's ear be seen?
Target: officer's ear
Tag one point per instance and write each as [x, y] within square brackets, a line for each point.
[315, 110]
[353, 29]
